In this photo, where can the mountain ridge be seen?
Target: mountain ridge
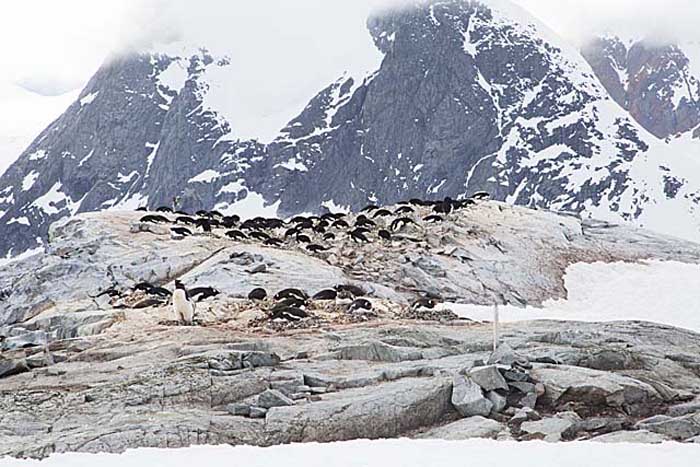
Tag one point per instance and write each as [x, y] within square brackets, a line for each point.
[468, 97]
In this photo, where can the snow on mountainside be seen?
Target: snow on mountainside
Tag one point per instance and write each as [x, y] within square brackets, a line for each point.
[457, 96]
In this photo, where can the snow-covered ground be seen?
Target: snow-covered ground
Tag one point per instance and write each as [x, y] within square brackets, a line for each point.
[662, 292]
[405, 453]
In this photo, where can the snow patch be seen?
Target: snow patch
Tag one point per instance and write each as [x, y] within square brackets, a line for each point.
[29, 180]
[207, 176]
[89, 98]
[38, 155]
[656, 291]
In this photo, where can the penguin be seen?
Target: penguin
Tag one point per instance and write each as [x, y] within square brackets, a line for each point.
[358, 237]
[262, 236]
[481, 195]
[370, 208]
[204, 224]
[381, 213]
[384, 234]
[340, 224]
[363, 221]
[202, 293]
[164, 209]
[236, 235]
[424, 303]
[353, 290]
[183, 307]
[295, 302]
[324, 295]
[433, 219]
[154, 219]
[184, 231]
[291, 293]
[313, 248]
[273, 242]
[329, 236]
[404, 210]
[401, 222]
[289, 313]
[185, 220]
[142, 209]
[301, 238]
[360, 304]
[257, 294]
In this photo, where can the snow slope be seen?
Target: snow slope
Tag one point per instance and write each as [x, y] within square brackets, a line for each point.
[405, 453]
[24, 115]
[661, 292]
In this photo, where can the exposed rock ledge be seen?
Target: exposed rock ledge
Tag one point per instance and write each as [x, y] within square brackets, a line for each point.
[78, 374]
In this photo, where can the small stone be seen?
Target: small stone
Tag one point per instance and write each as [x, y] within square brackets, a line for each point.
[258, 412]
[525, 414]
[273, 398]
[554, 428]
[238, 409]
[260, 268]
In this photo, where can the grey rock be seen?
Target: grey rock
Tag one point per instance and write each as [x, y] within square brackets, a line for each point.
[505, 355]
[468, 398]
[258, 412]
[678, 428]
[552, 429]
[525, 414]
[273, 398]
[637, 437]
[238, 409]
[488, 377]
[467, 428]
[499, 402]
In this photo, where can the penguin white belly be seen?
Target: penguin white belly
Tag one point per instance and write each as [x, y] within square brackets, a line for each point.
[184, 309]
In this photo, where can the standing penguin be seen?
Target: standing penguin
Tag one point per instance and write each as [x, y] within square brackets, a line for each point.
[183, 307]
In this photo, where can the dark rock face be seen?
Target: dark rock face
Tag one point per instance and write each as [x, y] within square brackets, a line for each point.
[653, 82]
[465, 100]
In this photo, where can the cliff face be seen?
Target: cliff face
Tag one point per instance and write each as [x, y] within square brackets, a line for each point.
[654, 82]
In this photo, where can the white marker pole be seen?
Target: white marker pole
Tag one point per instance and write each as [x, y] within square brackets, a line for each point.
[495, 326]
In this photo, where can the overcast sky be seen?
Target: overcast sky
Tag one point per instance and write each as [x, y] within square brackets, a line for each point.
[53, 46]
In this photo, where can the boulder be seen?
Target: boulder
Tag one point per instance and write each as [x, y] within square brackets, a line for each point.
[468, 398]
[594, 388]
[678, 428]
[273, 398]
[554, 428]
[505, 355]
[467, 428]
[636, 437]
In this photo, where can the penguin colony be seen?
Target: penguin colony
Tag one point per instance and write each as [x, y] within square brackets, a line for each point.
[315, 235]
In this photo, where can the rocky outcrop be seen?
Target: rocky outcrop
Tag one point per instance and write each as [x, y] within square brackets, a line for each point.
[90, 364]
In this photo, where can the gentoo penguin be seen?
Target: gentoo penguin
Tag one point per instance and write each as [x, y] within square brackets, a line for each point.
[182, 231]
[481, 195]
[353, 290]
[288, 313]
[301, 238]
[433, 219]
[183, 307]
[399, 223]
[154, 219]
[313, 248]
[381, 213]
[404, 210]
[202, 293]
[360, 304]
[273, 242]
[236, 235]
[384, 234]
[423, 304]
[328, 294]
[291, 293]
[257, 294]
